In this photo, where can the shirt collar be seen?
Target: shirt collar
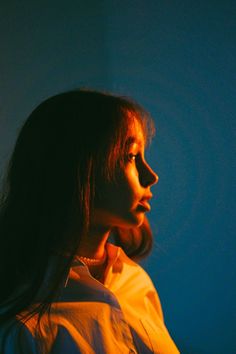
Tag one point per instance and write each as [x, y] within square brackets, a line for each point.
[80, 270]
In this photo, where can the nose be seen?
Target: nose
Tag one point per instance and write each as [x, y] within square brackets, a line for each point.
[147, 176]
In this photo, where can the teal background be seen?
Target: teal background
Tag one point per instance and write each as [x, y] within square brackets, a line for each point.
[177, 58]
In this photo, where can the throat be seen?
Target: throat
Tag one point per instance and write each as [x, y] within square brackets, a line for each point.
[98, 272]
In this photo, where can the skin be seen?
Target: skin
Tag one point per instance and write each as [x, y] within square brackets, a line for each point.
[119, 204]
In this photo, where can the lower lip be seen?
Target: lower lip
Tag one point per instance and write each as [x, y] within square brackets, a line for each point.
[145, 205]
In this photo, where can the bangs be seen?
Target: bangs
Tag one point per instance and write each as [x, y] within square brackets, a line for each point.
[146, 123]
[123, 136]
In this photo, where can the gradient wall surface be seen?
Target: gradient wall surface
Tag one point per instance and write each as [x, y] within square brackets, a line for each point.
[177, 58]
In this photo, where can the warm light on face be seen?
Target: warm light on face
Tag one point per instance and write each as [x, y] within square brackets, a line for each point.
[119, 203]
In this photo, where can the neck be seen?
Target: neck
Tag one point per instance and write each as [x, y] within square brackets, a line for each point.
[93, 244]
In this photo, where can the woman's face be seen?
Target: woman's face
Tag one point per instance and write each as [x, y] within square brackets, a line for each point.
[124, 203]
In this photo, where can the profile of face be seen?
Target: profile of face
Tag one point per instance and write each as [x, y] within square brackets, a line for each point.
[124, 203]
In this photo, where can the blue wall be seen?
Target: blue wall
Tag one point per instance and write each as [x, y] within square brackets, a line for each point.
[178, 59]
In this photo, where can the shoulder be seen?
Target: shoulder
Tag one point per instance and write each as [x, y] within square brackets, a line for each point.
[15, 338]
[78, 327]
[132, 284]
[131, 270]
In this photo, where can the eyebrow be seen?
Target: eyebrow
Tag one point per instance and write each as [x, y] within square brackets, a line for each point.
[131, 140]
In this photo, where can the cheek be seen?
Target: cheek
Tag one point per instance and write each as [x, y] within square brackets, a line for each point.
[116, 200]
[131, 185]
[124, 194]
[118, 207]
[128, 190]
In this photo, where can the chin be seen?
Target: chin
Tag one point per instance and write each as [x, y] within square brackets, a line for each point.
[133, 221]
[126, 220]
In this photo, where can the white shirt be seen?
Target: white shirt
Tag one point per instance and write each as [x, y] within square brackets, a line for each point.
[123, 315]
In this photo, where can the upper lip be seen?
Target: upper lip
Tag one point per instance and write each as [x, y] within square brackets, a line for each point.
[146, 197]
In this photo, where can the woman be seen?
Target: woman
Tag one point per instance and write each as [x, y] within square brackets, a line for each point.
[73, 227]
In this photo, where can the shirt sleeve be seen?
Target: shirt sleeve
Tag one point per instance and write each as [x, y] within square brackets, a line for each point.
[15, 338]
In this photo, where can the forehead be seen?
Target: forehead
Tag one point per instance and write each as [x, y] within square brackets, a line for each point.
[135, 134]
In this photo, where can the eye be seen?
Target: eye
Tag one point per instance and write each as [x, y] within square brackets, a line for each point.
[132, 157]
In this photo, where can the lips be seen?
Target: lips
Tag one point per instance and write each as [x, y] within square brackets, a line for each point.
[144, 202]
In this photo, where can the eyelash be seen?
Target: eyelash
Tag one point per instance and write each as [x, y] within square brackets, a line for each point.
[132, 157]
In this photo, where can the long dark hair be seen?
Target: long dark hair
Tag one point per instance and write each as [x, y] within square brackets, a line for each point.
[67, 142]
